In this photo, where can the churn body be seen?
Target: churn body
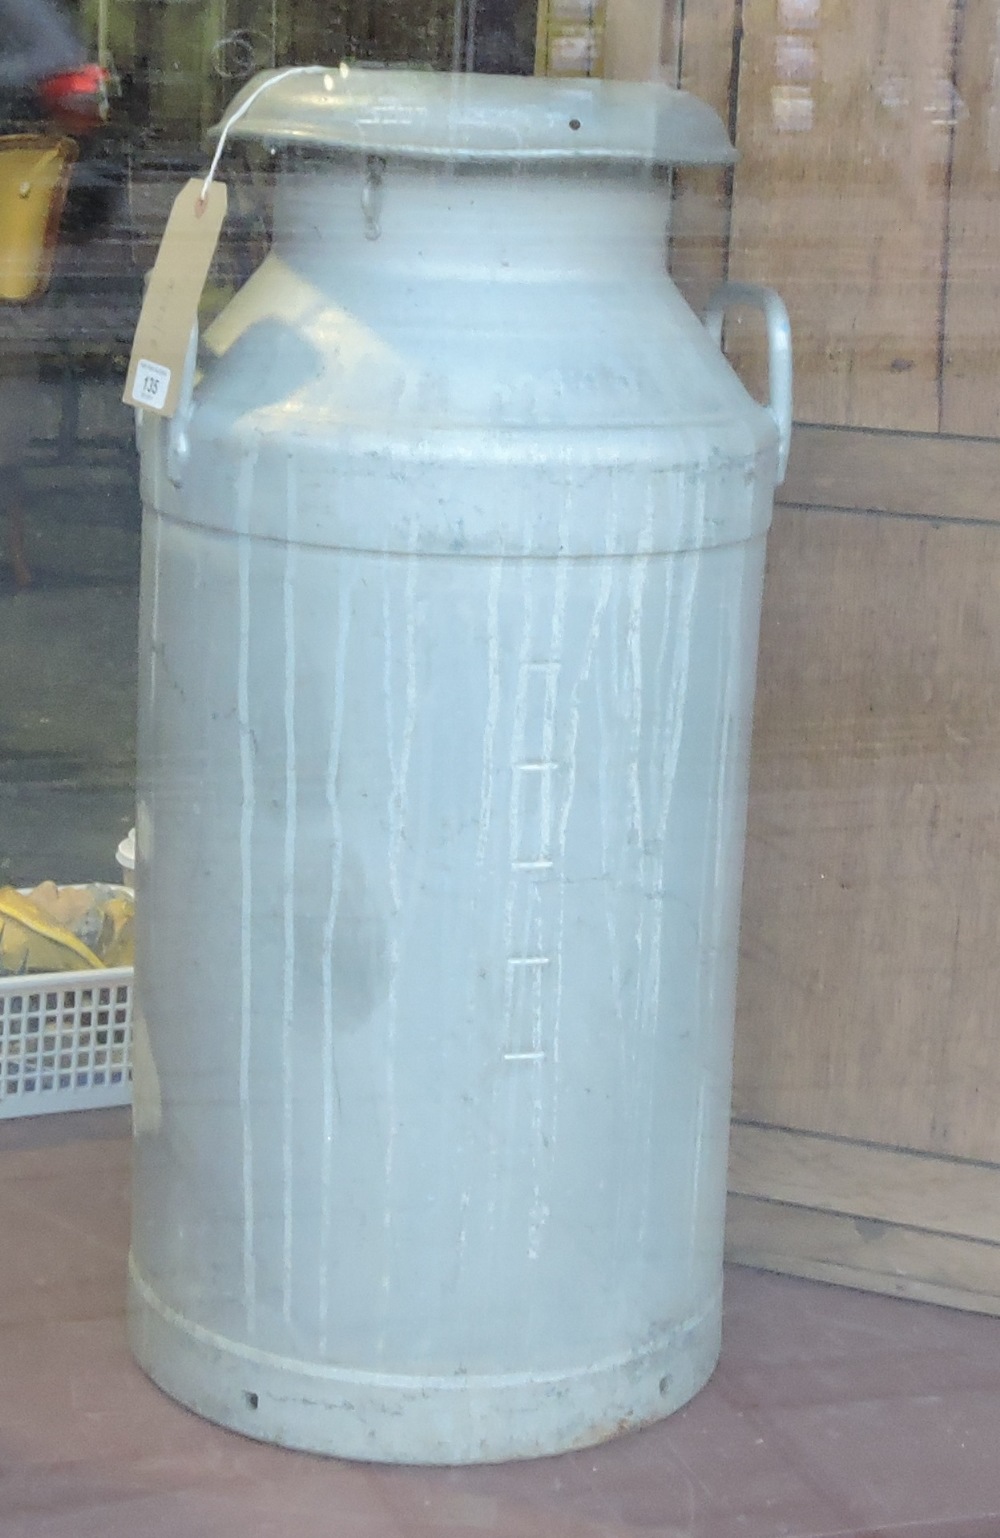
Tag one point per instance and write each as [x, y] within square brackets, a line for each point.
[452, 570]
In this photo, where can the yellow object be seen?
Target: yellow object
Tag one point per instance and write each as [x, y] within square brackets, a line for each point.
[34, 177]
[569, 38]
[65, 929]
[116, 944]
[214, 299]
[66, 905]
[31, 941]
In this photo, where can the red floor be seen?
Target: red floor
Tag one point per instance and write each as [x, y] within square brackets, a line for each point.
[832, 1412]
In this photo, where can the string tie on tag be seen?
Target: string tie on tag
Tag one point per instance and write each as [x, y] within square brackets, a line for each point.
[244, 107]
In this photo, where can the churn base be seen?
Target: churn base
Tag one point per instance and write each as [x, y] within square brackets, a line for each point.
[387, 1418]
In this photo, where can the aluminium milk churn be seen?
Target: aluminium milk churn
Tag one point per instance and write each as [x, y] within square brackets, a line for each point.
[452, 573]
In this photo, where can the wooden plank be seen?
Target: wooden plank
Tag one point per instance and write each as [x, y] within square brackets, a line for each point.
[699, 233]
[707, 30]
[633, 37]
[971, 384]
[870, 970]
[854, 1252]
[699, 43]
[840, 199]
[944, 1196]
[933, 476]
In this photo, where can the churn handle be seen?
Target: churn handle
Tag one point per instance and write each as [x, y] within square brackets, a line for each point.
[779, 350]
[178, 446]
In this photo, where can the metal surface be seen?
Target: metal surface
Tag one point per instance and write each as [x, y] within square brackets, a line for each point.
[481, 117]
[450, 612]
[732, 296]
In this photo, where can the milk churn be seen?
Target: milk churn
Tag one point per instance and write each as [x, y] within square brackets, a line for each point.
[452, 572]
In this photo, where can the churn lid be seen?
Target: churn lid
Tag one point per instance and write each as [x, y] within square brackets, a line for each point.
[467, 117]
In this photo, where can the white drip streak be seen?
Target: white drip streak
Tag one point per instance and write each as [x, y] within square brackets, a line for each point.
[676, 637]
[400, 771]
[244, 492]
[492, 708]
[291, 810]
[331, 1091]
[154, 640]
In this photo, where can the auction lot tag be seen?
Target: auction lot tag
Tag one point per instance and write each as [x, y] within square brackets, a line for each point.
[171, 304]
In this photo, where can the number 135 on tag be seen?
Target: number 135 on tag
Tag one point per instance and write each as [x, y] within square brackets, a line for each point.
[151, 383]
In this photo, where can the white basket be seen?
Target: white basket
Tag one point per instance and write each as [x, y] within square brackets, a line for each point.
[65, 1041]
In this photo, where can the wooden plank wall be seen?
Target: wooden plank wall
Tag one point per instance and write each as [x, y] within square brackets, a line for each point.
[866, 1144]
[702, 46]
[971, 344]
[866, 1137]
[870, 970]
[868, 193]
[841, 199]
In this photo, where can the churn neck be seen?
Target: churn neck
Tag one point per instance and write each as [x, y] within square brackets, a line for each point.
[470, 224]
[469, 119]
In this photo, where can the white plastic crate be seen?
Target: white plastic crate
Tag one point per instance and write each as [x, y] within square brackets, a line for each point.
[65, 1041]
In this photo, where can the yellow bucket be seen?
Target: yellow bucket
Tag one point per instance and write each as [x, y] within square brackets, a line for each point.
[34, 176]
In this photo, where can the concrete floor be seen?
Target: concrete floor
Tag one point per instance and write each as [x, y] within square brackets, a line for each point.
[833, 1414]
